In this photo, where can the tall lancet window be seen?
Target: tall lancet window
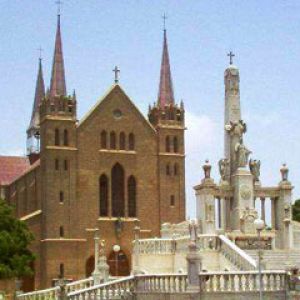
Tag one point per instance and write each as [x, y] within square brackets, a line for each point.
[131, 188]
[66, 138]
[117, 191]
[112, 140]
[131, 141]
[103, 193]
[122, 141]
[56, 137]
[167, 144]
[103, 139]
[175, 144]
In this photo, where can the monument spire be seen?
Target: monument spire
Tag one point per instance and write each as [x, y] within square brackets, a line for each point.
[165, 93]
[58, 82]
[39, 95]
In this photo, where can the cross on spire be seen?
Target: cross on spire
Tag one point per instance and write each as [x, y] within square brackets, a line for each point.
[40, 49]
[230, 55]
[116, 71]
[59, 4]
[164, 17]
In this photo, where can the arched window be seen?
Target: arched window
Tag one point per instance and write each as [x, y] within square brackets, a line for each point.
[117, 191]
[175, 144]
[56, 138]
[103, 140]
[61, 196]
[66, 165]
[167, 144]
[131, 141]
[172, 200]
[56, 164]
[112, 140]
[61, 231]
[168, 169]
[103, 194]
[66, 138]
[131, 188]
[62, 270]
[122, 141]
[175, 169]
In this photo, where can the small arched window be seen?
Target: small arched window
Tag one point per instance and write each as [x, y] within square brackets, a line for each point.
[66, 138]
[56, 138]
[175, 144]
[56, 164]
[131, 197]
[103, 139]
[61, 197]
[131, 141]
[62, 270]
[61, 231]
[175, 169]
[112, 140]
[172, 200]
[168, 169]
[167, 144]
[103, 190]
[66, 165]
[122, 141]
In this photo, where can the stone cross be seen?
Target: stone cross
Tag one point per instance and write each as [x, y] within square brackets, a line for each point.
[59, 4]
[116, 71]
[230, 55]
[40, 49]
[164, 18]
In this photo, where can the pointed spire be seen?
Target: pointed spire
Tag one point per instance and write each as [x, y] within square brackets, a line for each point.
[58, 82]
[165, 93]
[39, 95]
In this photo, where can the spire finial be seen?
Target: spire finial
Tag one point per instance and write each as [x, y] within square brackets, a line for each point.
[116, 71]
[164, 17]
[40, 49]
[59, 4]
[231, 55]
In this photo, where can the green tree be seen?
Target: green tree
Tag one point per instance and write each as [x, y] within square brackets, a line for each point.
[296, 210]
[15, 257]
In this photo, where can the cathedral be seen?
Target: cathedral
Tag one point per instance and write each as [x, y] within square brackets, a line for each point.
[107, 171]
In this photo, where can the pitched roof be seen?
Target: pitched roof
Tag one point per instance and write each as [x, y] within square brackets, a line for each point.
[11, 167]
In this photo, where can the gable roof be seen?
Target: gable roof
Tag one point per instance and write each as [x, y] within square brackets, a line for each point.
[12, 167]
[112, 89]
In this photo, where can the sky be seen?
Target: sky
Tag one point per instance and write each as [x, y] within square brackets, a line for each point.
[97, 35]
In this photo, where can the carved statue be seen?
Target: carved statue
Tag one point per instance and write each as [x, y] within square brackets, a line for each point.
[207, 169]
[223, 167]
[254, 166]
[284, 172]
[242, 154]
[193, 230]
[236, 128]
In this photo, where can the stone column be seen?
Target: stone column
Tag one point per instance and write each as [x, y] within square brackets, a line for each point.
[273, 213]
[96, 273]
[262, 209]
[193, 268]
[136, 250]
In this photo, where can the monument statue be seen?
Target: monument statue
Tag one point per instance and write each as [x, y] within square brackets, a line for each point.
[236, 128]
[254, 166]
[223, 168]
[242, 154]
[207, 169]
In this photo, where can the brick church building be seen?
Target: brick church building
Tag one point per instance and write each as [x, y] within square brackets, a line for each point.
[107, 170]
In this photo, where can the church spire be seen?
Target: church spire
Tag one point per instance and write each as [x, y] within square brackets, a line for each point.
[58, 82]
[39, 95]
[165, 93]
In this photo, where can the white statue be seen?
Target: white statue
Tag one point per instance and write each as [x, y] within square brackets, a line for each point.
[242, 154]
[223, 168]
[254, 166]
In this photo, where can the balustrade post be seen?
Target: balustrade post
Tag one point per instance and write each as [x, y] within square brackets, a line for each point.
[194, 266]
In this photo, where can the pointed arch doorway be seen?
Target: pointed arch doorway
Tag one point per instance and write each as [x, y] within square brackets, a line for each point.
[118, 263]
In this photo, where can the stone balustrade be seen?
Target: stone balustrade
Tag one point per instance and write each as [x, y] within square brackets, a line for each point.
[244, 281]
[110, 290]
[79, 284]
[47, 294]
[236, 255]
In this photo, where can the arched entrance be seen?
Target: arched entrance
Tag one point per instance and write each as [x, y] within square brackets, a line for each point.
[89, 266]
[118, 264]
[28, 281]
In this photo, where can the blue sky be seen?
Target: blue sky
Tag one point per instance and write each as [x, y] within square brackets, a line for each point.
[97, 35]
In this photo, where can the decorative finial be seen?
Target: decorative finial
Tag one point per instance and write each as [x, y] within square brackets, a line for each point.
[116, 71]
[164, 18]
[59, 4]
[231, 55]
[207, 169]
[40, 49]
[284, 172]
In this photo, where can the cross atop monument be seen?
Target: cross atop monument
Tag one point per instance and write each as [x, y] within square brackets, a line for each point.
[230, 55]
[164, 18]
[40, 49]
[116, 71]
[59, 4]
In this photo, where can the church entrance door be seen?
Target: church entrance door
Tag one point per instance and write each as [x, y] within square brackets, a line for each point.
[118, 264]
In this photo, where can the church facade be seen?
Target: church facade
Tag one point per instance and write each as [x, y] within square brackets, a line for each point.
[110, 170]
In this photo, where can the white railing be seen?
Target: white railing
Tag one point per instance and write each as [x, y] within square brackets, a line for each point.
[164, 283]
[79, 284]
[104, 291]
[172, 245]
[47, 294]
[247, 281]
[236, 255]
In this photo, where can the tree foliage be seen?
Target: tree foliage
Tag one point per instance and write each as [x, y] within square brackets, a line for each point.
[15, 257]
[296, 210]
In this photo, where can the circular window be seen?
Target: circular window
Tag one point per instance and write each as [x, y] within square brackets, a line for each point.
[117, 114]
